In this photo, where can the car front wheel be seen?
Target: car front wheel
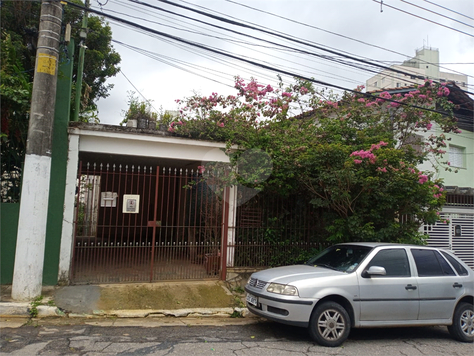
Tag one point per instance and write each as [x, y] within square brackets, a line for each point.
[463, 323]
[329, 324]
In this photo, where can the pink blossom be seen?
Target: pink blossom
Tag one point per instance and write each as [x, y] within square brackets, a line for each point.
[361, 100]
[382, 169]
[422, 178]
[201, 169]
[429, 126]
[221, 124]
[385, 95]
[286, 94]
[357, 161]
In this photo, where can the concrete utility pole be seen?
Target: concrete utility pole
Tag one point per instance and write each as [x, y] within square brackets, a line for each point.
[30, 246]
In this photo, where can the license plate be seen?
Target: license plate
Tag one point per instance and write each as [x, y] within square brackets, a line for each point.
[251, 299]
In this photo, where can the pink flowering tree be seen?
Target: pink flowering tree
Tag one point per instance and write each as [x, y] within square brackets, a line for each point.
[353, 157]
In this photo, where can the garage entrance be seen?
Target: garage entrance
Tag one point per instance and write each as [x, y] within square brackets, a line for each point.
[145, 223]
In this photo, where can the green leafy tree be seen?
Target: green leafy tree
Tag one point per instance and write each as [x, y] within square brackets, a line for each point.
[355, 157]
[19, 32]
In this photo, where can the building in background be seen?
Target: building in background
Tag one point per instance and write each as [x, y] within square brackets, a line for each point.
[425, 65]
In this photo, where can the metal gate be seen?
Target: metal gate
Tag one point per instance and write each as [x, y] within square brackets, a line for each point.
[455, 231]
[143, 224]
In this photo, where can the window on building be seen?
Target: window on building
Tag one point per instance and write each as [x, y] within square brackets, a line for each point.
[375, 84]
[456, 156]
[398, 85]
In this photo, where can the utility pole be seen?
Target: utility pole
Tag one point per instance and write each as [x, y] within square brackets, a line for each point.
[80, 64]
[30, 246]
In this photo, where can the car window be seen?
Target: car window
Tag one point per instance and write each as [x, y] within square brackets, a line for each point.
[430, 263]
[343, 258]
[457, 266]
[395, 262]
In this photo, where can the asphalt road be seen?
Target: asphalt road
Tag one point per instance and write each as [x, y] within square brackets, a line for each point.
[213, 337]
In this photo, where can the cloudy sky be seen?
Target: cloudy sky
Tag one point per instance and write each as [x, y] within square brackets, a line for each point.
[325, 34]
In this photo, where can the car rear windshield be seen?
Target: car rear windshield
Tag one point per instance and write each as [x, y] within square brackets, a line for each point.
[344, 258]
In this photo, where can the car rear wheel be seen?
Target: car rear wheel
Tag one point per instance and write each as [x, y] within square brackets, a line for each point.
[329, 324]
[463, 323]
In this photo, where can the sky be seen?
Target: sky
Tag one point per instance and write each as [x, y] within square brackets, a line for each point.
[324, 32]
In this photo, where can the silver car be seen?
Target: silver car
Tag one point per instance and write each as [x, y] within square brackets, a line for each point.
[358, 285]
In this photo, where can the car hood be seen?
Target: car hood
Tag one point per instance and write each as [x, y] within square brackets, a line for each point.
[290, 274]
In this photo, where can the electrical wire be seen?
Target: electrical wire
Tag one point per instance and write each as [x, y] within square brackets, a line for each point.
[248, 43]
[437, 13]
[423, 18]
[138, 91]
[198, 45]
[336, 34]
[285, 37]
[459, 13]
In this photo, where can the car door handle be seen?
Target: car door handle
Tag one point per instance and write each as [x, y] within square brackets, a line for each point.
[457, 285]
[410, 287]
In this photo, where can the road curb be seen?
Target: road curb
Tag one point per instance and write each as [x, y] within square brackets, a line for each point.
[12, 309]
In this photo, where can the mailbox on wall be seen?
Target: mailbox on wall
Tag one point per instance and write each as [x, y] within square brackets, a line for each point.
[457, 230]
[130, 204]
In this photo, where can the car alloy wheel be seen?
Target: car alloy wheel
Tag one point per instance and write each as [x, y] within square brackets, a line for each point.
[330, 324]
[462, 328]
[467, 322]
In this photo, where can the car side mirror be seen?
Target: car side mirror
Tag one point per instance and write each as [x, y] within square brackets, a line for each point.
[375, 271]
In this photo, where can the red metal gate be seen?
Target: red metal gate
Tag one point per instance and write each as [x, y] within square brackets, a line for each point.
[137, 224]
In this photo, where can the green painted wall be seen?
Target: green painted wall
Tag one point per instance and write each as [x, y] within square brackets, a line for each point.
[9, 213]
[58, 169]
[465, 175]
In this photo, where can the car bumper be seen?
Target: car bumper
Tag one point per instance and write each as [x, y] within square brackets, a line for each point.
[288, 310]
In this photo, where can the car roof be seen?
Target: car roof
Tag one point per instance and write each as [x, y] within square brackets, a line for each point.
[378, 244]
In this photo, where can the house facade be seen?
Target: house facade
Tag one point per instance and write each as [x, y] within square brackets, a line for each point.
[455, 229]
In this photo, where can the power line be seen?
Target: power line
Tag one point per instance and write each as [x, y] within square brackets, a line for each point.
[336, 34]
[437, 13]
[306, 43]
[420, 17]
[138, 91]
[459, 13]
[232, 22]
[241, 42]
[240, 58]
[334, 59]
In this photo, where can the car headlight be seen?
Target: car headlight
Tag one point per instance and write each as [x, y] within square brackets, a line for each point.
[284, 289]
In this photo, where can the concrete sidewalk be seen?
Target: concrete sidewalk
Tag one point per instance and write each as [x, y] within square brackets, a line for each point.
[141, 300]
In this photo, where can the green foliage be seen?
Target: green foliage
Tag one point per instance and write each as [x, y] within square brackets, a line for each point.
[15, 95]
[355, 157]
[19, 35]
[139, 110]
[34, 306]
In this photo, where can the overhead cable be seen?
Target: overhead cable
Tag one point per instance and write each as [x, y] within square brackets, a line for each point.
[437, 13]
[267, 67]
[456, 12]
[423, 18]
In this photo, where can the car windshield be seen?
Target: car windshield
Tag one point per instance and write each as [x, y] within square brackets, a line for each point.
[344, 258]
